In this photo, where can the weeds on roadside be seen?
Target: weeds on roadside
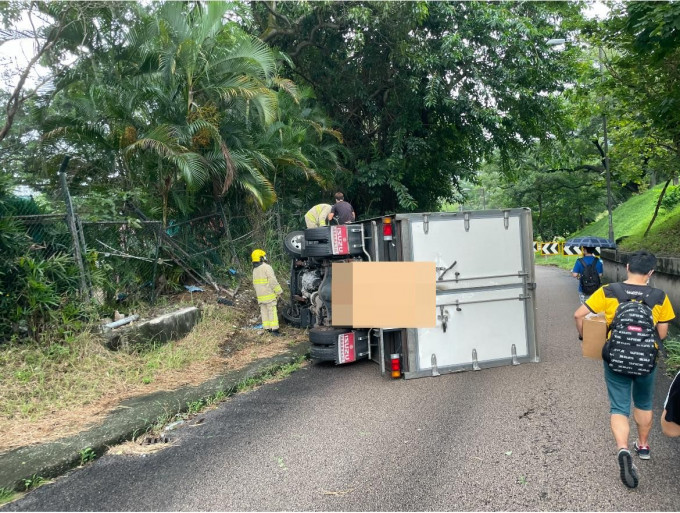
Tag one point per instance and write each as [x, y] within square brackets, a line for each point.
[87, 455]
[672, 345]
[195, 407]
[33, 482]
[6, 495]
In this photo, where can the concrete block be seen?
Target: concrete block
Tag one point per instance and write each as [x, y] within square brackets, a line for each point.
[159, 330]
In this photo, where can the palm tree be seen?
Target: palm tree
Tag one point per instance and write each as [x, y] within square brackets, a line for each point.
[210, 85]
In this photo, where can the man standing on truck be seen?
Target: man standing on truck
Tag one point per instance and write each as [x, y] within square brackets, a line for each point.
[267, 290]
[317, 215]
[342, 211]
[588, 271]
[637, 316]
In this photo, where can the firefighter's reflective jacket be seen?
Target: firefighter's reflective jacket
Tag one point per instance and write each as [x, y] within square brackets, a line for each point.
[317, 215]
[266, 285]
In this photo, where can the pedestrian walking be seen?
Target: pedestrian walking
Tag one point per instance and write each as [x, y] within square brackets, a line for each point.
[670, 418]
[637, 317]
[317, 215]
[342, 211]
[588, 270]
[267, 290]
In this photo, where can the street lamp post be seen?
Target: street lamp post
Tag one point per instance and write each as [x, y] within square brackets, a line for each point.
[606, 157]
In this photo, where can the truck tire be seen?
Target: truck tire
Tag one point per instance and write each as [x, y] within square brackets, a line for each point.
[293, 242]
[320, 234]
[324, 353]
[317, 249]
[330, 353]
[325, 337]
[292, 315]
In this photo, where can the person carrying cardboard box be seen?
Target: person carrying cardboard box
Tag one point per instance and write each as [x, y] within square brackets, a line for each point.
[625, 306]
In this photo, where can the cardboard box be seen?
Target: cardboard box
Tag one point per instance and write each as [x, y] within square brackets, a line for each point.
[384, 294]
[594, 336]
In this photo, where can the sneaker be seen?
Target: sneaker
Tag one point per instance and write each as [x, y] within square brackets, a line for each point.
[642, 451]
[629, 474]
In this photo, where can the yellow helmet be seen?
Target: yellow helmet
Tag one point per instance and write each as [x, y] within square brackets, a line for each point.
[258, 255]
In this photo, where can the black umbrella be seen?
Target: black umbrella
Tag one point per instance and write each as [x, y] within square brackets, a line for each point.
[591, 242]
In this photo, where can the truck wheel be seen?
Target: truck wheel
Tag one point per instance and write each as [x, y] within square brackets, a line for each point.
[325, 337]
[292, 315]
[330, 353]
[293, 242]
[324, 353]
[317, 249]
[320, 234]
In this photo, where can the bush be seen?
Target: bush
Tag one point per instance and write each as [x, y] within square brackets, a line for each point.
[671, 199]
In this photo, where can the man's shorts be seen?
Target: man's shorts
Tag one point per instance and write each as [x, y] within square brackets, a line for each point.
[619, 388]
[672, 403]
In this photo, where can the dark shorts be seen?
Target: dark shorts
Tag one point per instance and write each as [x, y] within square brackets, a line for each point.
[619, 388]
[672, 403]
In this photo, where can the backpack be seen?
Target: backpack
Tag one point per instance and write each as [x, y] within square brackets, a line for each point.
[590, 278]
[631, 349]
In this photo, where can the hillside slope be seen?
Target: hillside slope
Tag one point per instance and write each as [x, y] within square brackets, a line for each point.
[630, 221]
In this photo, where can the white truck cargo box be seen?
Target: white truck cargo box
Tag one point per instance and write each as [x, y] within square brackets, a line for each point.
[485, 290]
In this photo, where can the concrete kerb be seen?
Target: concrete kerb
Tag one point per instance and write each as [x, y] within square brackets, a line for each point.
[131, 418]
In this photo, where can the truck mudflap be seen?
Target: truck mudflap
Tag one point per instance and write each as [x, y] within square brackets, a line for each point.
[485, 290]
[338, 345]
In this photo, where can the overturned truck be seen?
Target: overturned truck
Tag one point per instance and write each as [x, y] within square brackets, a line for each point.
[483, 284]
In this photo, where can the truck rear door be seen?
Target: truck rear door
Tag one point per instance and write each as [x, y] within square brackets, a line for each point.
[485, 290]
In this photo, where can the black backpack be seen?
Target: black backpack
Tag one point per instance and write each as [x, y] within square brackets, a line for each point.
[590, 279]
[631, 348]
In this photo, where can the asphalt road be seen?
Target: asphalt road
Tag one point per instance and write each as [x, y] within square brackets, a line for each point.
[531, 437]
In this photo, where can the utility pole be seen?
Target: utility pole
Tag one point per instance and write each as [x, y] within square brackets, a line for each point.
[606, 155]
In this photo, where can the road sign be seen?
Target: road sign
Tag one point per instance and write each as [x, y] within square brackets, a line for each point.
[551, 248]
[571, 250]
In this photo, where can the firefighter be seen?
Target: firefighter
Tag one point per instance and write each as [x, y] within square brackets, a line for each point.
[316, 216]
[267, 289]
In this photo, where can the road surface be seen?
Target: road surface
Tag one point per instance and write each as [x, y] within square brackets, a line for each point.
[531, 437]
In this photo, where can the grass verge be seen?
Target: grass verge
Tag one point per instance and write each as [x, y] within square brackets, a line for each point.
[57, 390]
[672, 349]
[7, 496]
[561, 261]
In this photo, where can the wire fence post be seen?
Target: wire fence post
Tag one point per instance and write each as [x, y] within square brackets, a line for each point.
[158, 229]
[227, 232]
[71, 221]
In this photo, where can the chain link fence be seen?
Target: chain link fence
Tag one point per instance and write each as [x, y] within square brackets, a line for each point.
[52, 261]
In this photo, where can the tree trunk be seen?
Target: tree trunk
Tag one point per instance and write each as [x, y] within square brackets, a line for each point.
[658, 205]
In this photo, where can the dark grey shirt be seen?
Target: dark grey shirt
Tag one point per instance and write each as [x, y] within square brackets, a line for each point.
[342, 211]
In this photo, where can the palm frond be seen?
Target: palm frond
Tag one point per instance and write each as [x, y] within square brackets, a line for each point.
[289, 87]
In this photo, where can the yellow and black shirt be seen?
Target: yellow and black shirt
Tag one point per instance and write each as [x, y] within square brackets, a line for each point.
[604, 300]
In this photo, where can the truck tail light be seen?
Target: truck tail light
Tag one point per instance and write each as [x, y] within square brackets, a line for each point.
[387, 228]
[396, 367]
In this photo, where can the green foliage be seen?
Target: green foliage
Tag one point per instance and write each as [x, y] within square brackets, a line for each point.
[38, 278]
[33, 482]
[672, 347]
[87, 455]
[420, 104]
[6, 495]
[672, 198]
